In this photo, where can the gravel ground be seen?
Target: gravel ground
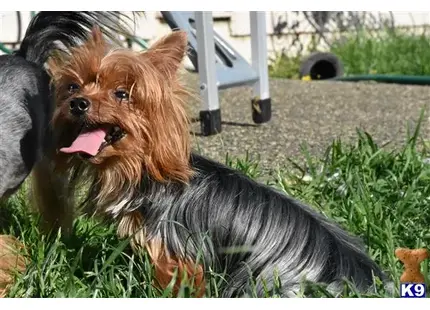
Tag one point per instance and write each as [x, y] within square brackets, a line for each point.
[314, 113]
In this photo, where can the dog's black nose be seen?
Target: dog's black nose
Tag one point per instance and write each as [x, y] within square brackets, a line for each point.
[78, 106]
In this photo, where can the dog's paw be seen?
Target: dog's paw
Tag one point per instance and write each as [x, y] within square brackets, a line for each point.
[11, 260]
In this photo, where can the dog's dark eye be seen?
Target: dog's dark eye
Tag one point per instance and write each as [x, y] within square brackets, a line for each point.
[121, 95]
[72, 88]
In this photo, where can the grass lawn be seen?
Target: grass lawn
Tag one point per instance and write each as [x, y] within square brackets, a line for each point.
[374, 192]
[390, 51]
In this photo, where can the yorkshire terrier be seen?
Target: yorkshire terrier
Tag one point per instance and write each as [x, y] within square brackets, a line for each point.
[25, 96]
[121, 125]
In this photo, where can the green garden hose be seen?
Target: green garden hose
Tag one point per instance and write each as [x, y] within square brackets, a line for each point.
[141, 42]
[396, 79]
[4, 49]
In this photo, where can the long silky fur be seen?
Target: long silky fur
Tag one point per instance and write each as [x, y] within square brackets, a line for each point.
[233, 225]
[197, 215]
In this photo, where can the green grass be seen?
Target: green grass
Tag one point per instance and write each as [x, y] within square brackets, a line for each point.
[390, 52]
[285, 67]
[379, 194]
[399, 52]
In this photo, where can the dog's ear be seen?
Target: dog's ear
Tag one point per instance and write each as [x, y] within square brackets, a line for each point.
[168, 52]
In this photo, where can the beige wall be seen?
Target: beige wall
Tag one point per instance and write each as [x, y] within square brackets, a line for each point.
[232, 26]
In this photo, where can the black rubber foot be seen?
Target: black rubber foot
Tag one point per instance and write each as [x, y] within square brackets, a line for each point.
[261, 110]
[210, 122]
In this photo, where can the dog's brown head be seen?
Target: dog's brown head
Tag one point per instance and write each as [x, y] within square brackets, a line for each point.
[122, 111]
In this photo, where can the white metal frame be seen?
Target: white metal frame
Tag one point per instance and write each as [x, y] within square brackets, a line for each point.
[206, 58]
[259, 54]
[220, 66]
[206, 61]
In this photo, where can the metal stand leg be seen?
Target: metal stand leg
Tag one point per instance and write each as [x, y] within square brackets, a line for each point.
[261, 103]
[210, 114]
[220, 66]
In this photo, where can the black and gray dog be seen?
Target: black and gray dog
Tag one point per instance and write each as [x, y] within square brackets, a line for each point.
[25, 96]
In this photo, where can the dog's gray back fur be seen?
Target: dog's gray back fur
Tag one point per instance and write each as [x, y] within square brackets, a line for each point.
[25, 105]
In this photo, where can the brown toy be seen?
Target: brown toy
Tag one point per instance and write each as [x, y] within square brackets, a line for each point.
[10, 261]
[411, 260]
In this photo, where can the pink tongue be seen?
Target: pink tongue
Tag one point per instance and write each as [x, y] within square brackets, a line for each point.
[88, 142]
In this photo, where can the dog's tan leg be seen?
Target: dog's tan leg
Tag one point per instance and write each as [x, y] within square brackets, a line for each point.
[52, 197]
[164, 271]
[164, 265]
[11, 260]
